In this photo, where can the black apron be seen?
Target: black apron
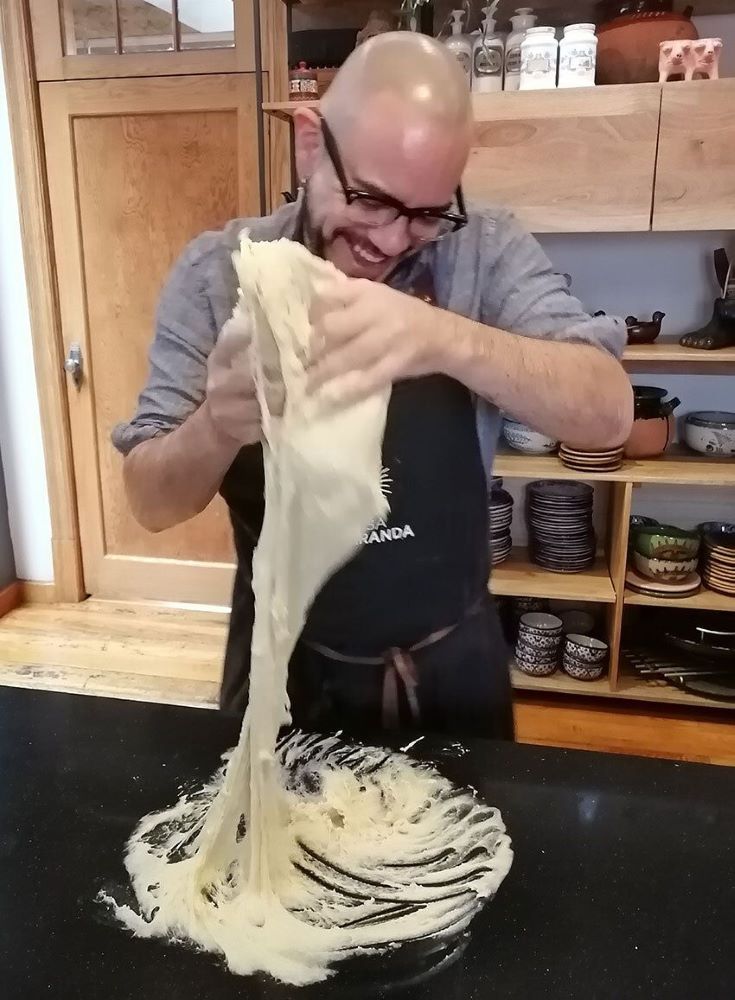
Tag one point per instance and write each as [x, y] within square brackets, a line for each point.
[420, 574]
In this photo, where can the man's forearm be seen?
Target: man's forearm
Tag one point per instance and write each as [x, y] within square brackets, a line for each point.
[573, 392]
[172, 478]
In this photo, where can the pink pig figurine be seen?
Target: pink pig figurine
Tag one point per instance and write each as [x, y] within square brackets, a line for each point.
[675, 59]
[706, 57]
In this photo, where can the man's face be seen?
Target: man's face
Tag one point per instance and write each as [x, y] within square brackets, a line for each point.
[389, 150]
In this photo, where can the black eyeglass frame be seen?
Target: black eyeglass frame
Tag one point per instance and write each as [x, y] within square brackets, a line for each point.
[456, 219]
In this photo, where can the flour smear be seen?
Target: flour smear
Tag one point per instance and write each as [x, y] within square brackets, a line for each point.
[301, 854]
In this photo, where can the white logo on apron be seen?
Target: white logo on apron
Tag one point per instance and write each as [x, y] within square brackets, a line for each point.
[380, 531]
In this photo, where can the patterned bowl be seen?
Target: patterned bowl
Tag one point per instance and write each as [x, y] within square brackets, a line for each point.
[670, 570]
[664, 541]
[581, 671]
[526, 439]
[586, 649]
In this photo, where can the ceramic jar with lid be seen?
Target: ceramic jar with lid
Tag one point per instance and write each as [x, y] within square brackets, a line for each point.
[522, 20]
[539, 59]
[654, 425]
[578, 56]
[303, 84]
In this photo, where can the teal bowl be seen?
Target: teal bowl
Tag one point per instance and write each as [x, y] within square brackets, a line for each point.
[664, 541]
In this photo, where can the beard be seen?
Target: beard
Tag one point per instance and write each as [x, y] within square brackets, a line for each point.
[315, 240]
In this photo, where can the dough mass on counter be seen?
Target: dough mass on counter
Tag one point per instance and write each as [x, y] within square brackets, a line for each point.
[301, 853]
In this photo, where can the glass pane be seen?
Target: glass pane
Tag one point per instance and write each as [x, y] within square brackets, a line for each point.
[89, 27]
[108, 27]
[146, 27]
[207, 24]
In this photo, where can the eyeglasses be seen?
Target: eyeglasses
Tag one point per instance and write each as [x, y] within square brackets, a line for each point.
[374, 209]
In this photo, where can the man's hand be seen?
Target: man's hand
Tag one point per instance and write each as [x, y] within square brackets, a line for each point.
[367, 336]
[231, 398]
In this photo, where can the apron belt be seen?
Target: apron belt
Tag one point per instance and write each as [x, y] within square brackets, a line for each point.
[399, 668]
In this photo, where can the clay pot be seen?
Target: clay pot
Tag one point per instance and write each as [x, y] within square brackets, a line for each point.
[628, 44]
[644, 332]
[654, 424]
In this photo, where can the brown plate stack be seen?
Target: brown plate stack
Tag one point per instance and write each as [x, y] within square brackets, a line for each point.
[591, 461]
[718, 563]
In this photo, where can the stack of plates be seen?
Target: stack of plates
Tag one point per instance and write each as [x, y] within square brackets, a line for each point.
[718, 564]
[661, 588]
[560, 529]
[500, 509]
[591, 461]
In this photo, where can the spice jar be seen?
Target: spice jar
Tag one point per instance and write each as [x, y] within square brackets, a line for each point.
[303, 84]
[539, 57]
[578, 56]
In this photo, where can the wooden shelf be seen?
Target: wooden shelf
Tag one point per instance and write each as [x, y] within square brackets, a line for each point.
[637, 688]
[519, 577]
[284, 109]
[630, 688]
[707, 600]
[677, 467]
[558, 683]
[669, 355]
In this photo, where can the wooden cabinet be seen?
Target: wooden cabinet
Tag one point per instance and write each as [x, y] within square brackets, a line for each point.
[137, 168]
[695, 176]
[568, 160]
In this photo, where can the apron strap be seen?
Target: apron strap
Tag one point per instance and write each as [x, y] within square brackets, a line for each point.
[399, 669]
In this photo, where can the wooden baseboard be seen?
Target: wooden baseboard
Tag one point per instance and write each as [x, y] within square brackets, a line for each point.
[610, 726]
[10, 598]
[35, 592]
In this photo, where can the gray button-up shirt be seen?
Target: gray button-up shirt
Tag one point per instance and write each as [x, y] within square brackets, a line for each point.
[491, 271]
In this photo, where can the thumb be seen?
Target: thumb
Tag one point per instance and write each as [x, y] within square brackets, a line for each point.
[233, 343]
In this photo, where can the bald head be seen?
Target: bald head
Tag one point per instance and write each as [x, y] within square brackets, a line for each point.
[410, 69]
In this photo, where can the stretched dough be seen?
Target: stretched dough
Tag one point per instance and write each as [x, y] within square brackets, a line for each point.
[295, 856]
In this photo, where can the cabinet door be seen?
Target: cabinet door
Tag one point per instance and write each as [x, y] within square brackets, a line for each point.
[137, 168]
[568, 160]
[695, 173]
[83, 39]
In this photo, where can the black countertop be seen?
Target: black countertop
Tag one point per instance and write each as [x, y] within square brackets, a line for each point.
[623, 883]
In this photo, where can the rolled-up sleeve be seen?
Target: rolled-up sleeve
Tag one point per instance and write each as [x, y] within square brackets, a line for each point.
[523, 294]
[185, 333]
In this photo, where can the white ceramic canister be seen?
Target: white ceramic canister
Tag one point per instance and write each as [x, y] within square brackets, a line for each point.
[578, 56]
[460, 45]
[539, 58]
[522, 20]
[487, 56]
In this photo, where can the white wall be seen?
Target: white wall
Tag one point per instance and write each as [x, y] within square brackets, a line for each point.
[20, 427]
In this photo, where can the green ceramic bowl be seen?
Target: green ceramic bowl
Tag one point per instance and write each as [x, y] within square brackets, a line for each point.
[664, 541]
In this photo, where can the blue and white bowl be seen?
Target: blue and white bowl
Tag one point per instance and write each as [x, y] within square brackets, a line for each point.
[525, 439]
[710, 432]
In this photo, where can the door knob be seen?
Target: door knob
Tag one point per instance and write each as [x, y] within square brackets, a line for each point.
[73, 364]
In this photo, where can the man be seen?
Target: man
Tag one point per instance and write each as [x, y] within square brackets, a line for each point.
[405, 633]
